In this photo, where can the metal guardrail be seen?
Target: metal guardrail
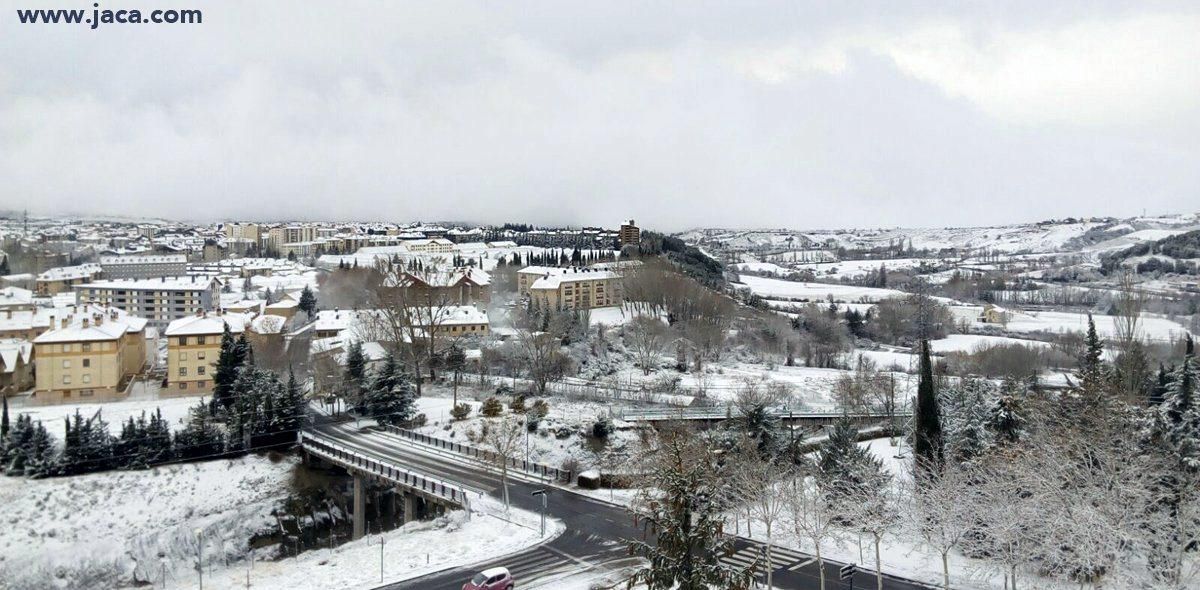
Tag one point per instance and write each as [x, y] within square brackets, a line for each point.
[338, 454]
[560, 475]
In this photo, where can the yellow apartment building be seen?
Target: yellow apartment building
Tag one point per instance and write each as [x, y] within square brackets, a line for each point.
[90, 355]
[193, 344]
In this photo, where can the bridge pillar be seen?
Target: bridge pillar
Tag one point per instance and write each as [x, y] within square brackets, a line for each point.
[360, 507]
[410, 507]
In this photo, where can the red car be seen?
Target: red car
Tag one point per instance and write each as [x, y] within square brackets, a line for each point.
[496, 578]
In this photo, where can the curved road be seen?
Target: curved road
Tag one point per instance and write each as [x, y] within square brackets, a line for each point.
[595, 535]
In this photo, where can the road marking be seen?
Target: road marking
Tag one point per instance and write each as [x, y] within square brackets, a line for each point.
[803, 564]
[568, 556]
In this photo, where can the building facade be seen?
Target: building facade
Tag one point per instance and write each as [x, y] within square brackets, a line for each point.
[577, 288]
[159, 300]
[193, 345]
[91, 355]
[143, 267]
[64, 278]
[629, 234]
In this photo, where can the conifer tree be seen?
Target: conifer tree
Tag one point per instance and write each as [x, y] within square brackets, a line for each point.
[308, 302]
[199, 437]
[228, 362]
[927, 425]
[356, 373]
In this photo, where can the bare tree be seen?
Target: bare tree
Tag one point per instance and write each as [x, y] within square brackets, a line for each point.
[647, 336]
[410, 314]
[812, 517]
[765, 498]
[503, 440]
[542, 356]
[873, 509]
[942, 510]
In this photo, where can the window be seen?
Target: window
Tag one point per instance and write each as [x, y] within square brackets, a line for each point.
[66, 379]
[86, 392]
[200, 370]
[87, 378]
[183, 385]
[202, 384]
[66, 348]
[66, 363]
[183, 355]
[87, 362]
[87, 347]
[182, 371]
[200, 355]
[200, 340]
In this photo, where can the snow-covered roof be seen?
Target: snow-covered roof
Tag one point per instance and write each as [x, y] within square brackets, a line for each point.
[267, 324]
[208, 323]
[90, 322]
[64, 273]
[188, 283]
[553, 281]
[13, 351]
[15, 296]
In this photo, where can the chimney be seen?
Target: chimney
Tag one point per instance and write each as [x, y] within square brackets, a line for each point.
[64, 323]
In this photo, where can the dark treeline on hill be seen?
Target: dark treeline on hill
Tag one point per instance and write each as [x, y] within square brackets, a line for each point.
[689, 259]
[1180, 247]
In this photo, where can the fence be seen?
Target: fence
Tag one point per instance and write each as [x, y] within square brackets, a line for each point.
[586, 390]
[346, 457]
[539, 469]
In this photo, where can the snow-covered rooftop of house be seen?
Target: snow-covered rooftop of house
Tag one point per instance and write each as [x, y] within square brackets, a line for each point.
[12, 351]
[574, 275]
[188, 283]
[456, 315]
[89, 322]
[64, 273]
[267, 324]
[14, 296]
[208, 323]
[328, 320]
[285, 303]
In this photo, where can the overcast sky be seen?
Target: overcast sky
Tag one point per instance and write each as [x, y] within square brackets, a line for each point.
[678, 114]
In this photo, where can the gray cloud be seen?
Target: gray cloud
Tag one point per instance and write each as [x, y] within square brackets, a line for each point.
[756, 114]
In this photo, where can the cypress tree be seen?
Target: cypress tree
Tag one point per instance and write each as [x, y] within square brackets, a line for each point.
[927, 425]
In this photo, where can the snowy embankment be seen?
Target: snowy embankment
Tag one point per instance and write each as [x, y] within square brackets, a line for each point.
[416, 549]
[118, 528]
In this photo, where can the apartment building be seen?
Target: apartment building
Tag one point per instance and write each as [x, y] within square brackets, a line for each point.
[577, 288]
[64, 278]
[193, 344]
[159, 300]
[16, 366]
[16, 299]
[143, 266]
[430, 246]
[629, 234]
[244, 231]
[90, 354]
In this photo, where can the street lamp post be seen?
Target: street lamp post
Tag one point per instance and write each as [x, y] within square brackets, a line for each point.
[542, 493]
[200, 555]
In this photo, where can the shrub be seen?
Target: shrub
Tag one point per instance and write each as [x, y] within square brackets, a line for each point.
[504, 389]
[602, 428]
[491, 407]
[531, 423]
[460, 412]
[540, 409]
[517, 404]
[418, 421]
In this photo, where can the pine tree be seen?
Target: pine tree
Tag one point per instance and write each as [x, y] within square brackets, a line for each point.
[308, 302]
[41, 458]
[4, 421]
[843, 468]
[292, 405]
[927, 426]
[199, 437]
[966, 415]
[686, 518]
[356, 373]
[14, 449]
[228, 363]
[392, 397]
[1005, 421]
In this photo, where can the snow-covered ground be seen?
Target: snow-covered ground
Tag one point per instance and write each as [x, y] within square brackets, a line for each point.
[416, 549]
[781, 289]
[109, 529]
[174, 410]
[1155, 329]
[974, 342]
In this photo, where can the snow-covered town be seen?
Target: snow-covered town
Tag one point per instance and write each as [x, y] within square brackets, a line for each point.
[571, 295]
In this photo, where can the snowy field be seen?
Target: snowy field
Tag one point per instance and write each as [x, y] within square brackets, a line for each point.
[778, 288]
[110, 529]
[975, 342]
[1155, 329]
[174, 410]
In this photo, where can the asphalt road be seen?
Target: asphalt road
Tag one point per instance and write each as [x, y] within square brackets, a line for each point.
[595, 535]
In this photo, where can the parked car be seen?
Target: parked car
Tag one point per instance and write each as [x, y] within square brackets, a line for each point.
[496, 578]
